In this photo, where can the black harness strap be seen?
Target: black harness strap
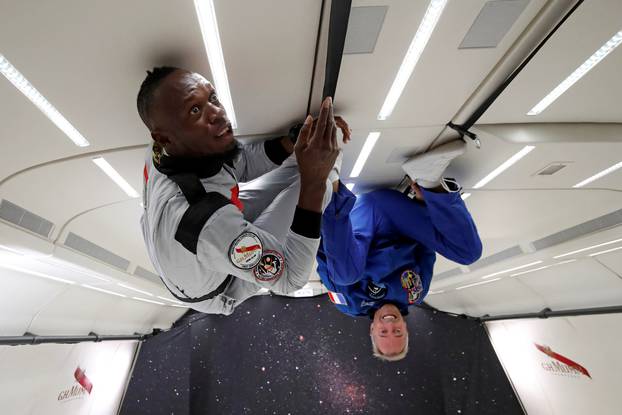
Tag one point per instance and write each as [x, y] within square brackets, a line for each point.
[337, 30]
[221, 288]
[202, 207]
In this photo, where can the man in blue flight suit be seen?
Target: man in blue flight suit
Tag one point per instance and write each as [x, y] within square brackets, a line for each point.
[378, 250]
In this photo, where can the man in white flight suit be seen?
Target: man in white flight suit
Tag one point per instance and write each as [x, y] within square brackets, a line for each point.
[213, 243]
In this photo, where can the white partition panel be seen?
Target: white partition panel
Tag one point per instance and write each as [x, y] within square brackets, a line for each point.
[563, 366]
[85, 378]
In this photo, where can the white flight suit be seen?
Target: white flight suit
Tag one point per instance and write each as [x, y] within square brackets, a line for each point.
[259, 239]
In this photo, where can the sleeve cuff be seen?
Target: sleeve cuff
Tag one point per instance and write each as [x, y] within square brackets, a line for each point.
[307, 223]
[440, 197]
[275, 151]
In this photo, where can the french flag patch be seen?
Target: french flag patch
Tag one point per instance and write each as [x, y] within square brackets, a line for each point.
[337, 298]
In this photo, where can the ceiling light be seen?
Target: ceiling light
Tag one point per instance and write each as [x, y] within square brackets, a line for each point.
[599, 175]
[426, 27]
[435, 292]
[180, 306]
[503, 167]
[211, 39]
[134, 289]
[599, 55]
[115, 176]
[26, 88]
[350, 186]
[36, 274]
[544, 267]
[102, 290]
[587, 249]
[67, 267]
[607, 251]
[12, 250]
[465, 196]
[511, 269]
[477, 283]
[149, 301]
[370, 142]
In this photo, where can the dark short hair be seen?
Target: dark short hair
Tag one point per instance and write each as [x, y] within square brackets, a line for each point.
[147, 89]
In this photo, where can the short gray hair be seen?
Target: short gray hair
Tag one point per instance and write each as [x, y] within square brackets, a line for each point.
[389, 358]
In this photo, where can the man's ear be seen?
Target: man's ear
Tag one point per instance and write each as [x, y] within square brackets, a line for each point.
[371, 329]
[160, 138]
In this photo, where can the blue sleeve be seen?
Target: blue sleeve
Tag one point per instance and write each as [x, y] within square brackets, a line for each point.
[346, 235]
[443, 223]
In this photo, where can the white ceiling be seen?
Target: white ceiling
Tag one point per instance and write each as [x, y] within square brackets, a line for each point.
[88, 59]
[594, 98]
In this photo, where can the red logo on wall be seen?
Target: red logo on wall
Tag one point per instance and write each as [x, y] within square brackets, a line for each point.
[567, 363]
[81, 378]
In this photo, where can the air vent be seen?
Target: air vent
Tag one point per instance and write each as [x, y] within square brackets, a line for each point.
[551, 169]
[603, 222]
[25, 219]
[492, 24]
[447, 274]
[364, 27]
[89, 248]
[498, 257]
[146, 274]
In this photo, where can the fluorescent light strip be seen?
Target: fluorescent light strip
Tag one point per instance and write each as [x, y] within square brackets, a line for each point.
[511, 269]
[370, 142]
[135, 289]
[115, 176]
[26, 88]
[503, 167]
[544, 267]
[477, 283]
[175, 305]
[13, 251]
[588, 248]
[465, 196]
[350, 186]
[607, 251]
[593, 60]
[36, 274]
[211, 39]
[102, 290]
[67, 267]
[149, 301]
[168, 299]
[435, 292]
[417, 45]
[599, 175]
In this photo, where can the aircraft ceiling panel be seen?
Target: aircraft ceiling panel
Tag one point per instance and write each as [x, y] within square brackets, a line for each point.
[115, 228]
[581, 284]
[442, 80]
[88, 60]
[269, 49]
[500, 297]
[21, 297]
[594, 98]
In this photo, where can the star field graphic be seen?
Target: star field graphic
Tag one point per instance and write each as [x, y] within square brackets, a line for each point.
[278, 355]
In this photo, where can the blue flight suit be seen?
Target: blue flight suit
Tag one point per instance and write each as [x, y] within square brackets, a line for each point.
[380, 247]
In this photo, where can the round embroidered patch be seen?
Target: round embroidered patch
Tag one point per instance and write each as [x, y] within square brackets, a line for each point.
[411, 282]
[376, 291]
[270, 266]
[245, 251]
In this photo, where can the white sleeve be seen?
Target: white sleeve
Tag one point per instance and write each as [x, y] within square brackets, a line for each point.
[231, 245]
